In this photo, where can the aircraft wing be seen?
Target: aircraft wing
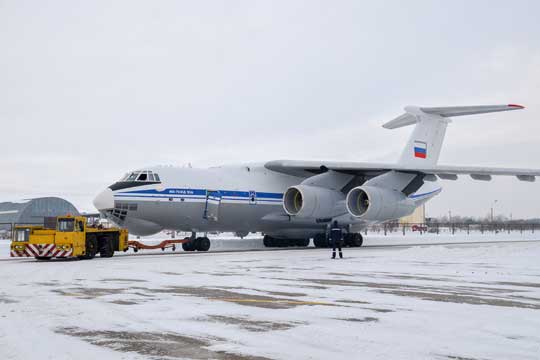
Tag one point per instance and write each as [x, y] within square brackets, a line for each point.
[309, 168]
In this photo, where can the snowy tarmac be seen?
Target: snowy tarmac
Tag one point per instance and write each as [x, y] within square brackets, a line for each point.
[458, 299]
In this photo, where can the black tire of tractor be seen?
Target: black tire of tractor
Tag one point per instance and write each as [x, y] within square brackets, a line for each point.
[91, 248]
[106, 249]
[43, 258]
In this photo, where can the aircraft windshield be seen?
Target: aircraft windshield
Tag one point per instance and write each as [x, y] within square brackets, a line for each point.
[141, 176]
[136, 178]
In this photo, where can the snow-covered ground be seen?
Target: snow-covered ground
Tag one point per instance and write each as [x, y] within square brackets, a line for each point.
[230, 242]
[453, 301]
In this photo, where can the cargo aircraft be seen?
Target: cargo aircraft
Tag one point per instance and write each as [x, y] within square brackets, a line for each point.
[291, 201]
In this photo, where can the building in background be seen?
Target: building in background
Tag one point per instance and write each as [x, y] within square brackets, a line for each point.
[33, 211]
[417, 217]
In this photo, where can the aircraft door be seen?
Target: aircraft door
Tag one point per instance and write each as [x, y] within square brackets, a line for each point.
[211, 208]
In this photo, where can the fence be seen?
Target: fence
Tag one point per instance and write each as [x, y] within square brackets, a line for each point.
[6, 229]
[451, 228]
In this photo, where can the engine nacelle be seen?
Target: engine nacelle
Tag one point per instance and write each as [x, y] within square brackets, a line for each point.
[378, 204]
[311, 201]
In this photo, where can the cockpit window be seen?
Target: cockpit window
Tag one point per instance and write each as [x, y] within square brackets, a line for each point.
[141, 176]
[136, 178]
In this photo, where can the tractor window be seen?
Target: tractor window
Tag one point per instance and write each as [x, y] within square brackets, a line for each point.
[66, 225]
[22, 234]
[81, 226]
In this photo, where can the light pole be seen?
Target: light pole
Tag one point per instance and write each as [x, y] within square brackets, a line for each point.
[492, 205]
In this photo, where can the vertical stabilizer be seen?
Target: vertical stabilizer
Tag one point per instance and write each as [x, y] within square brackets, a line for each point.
[424, 146]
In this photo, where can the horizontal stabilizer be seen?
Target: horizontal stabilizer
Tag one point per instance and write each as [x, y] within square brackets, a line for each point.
[413, 114]
[469, 110]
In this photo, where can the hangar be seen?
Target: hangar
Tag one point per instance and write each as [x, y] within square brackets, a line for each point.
[33, 211]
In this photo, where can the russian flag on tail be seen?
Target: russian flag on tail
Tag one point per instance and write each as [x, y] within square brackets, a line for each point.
[420, 149]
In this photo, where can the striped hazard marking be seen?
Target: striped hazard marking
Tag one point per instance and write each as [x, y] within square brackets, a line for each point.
[42, 250]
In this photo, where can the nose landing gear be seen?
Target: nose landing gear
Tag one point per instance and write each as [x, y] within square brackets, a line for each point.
[199, 244]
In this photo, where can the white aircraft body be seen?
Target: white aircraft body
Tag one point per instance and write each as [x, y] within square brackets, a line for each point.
[292, 201]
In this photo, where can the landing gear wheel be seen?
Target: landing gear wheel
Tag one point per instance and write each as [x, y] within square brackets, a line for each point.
[189, 246]
[267, 241]
[320, 241]
[202, 244]
[302, 242]
[91, 248]
[358, 240]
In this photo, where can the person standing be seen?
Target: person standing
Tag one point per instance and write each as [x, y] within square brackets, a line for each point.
[336, 236]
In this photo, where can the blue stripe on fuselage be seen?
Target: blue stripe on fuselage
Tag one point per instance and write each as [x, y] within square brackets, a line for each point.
[196, 193]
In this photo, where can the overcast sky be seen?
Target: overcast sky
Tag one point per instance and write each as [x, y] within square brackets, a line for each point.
[92, 89]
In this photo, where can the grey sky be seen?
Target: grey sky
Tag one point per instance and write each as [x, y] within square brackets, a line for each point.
[92, 89]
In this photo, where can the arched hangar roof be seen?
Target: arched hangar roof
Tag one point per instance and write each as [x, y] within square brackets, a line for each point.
[33, 211]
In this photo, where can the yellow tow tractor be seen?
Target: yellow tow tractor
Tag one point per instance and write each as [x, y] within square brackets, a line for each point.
[71, 238]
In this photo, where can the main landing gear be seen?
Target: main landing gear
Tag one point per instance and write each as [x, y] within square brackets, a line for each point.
[196, 243]
[350, 240]
[269, 241]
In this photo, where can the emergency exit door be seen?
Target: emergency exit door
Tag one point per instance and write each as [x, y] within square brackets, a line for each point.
[211, 207]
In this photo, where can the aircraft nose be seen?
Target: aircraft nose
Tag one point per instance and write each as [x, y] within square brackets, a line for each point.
[104, 200]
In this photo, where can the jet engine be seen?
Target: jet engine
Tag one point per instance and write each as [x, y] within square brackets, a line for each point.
[311, 201]
[378, 204]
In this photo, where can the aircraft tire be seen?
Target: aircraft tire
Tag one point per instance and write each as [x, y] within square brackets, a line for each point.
[267, 241]
[302, 242]
[320, 241]
[189, 246]
[348, 240]
[282, 242]
[358, 240]
[202, 244]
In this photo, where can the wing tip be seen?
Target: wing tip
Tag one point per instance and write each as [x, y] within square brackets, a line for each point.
[516, 106]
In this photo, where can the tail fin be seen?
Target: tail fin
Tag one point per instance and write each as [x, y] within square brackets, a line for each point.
[424, 145]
